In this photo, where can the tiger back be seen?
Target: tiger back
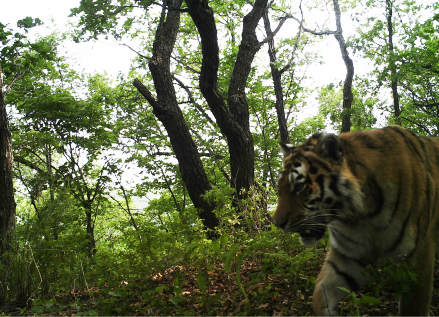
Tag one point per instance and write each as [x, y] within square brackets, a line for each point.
[376, 192]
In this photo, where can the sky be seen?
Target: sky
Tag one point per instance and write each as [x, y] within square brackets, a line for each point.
[111, 57]
[96, 56]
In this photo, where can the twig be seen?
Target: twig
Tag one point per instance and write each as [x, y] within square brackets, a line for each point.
[145, 57]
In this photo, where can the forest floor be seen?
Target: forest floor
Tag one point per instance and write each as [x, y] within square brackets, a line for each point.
[179, 291]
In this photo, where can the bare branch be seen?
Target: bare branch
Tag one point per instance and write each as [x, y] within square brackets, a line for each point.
[145, 92]
[279, 26]
[299, 34]
[143, 56]
[185, 65]
[192, 100]
[327, 32]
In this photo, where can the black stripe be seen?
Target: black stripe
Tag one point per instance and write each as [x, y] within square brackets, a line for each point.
[353, 285]
[345, 242]
[398, 240]
[328, 201]
[368, 141]
[333, 185]
[313, 169]
[379, 199]
[353, 167]
[313, 201]
[425, 149]
[323, 163]
[408, 141]
[349, 258]
[397, 199]
[434, 145]
[320, 180]
[427, 192]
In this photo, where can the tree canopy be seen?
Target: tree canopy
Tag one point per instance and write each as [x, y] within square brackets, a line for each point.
[172, 167]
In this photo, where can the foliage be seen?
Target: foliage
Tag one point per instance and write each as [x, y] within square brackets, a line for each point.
[105, 225]
[411, 61]
[364, 103]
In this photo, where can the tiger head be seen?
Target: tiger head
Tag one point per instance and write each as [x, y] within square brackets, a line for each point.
[310, 195]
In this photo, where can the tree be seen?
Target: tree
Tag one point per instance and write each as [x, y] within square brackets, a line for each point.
[47, 114]
[418, 73]
[392, 64]
[224, 95]
[277, 73]
[7, 205]
[16, 58]
[348, 96]
[362, 117]
[398, 42]
[168, 112]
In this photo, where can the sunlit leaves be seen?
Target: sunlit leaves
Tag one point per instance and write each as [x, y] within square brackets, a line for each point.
[28, 22]
[106, 17]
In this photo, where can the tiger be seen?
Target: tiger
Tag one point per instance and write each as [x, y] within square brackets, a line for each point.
[376, 191]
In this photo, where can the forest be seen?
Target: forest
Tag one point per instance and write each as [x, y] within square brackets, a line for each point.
[152, 193]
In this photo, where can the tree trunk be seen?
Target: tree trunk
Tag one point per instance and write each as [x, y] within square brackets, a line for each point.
[392, 65]
[166, 109]
[55, 229]
[7, 202]
[234, 119]
[348, 96]
[277, 82]
[90, 234]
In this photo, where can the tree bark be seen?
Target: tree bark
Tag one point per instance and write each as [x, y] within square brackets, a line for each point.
[90, 233]
[234, 119]
[348, 96]
[392, 65]
[7, 201]
[166, 109]
[277, 83]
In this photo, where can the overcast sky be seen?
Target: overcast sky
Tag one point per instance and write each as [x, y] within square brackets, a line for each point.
[97, 56]
[108, 56]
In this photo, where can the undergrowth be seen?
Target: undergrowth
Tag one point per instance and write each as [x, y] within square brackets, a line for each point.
[251, 269]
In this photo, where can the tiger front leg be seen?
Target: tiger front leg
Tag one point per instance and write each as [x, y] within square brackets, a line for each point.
[337, 271]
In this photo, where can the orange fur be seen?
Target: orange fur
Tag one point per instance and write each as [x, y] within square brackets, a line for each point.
[376, 191]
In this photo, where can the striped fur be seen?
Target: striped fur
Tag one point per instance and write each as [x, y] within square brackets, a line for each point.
[377, 193]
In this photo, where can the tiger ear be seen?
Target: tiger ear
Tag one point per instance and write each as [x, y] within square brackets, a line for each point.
[331, 148]
[287, 149]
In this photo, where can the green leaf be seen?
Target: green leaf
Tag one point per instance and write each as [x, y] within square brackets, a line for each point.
[344, 289]
[48, 305]
[201, 282]
[161, 288]
[114, 294]
[215, 246]
[37, 309]
[238, 267]
[174, 301]
[370, 300]
[227, 258]
[224, 238]
[92, 312]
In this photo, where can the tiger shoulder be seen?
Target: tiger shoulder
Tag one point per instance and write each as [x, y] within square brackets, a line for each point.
[376, 192]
